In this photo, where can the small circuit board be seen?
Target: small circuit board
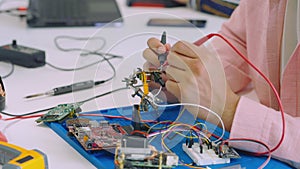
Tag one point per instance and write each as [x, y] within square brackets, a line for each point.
[60, 113]
[202, 154]
[95, 135]
[135, 152]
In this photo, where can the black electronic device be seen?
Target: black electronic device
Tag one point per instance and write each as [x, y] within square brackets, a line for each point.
[176, 22]
[22, 55]
[62, 13]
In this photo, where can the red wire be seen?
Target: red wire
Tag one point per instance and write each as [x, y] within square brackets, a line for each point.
[207, 37]
[255, 141]
[139, 132]
[22, 9]
[22, 117]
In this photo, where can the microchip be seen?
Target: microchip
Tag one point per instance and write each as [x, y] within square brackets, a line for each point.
[94, 135]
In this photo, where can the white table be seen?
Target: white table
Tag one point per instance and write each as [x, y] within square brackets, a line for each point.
[128, 41]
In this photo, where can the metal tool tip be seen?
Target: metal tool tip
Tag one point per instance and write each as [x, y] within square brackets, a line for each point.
[34, 95]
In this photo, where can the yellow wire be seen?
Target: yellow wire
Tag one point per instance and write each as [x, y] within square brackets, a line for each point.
[166, 147]
[185, 136]
[204, 125]
[152, 127]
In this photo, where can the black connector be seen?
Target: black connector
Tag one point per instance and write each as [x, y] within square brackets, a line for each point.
[158, 78]
[201, 148]
[22, 56]
[191, 143]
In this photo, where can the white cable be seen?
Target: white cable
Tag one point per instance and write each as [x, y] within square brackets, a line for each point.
[202, 107]
[166, 131]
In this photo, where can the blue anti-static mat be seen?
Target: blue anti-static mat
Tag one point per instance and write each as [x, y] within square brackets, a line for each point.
[104, 160]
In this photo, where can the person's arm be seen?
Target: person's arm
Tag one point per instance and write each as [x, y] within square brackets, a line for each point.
[256, 121]
[252, 119]
[188, 81]
[235, 30]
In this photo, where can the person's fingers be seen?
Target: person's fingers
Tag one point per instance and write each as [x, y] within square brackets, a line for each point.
[155, 48]
[168, 47]
[149, 66]
[151, 57]
[164, 77]
[175, 74]
[184, 48]
[154, 43]
[182, 56]
[173, 88]
[177, 61]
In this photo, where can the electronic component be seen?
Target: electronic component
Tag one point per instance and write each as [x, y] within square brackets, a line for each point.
[94, 135]
[145, 77]
[14, 157]
[146, 100]
[135, 152]
[224, 151]
[61, 112]
[203, 154]
[22, 55]
[2, 95]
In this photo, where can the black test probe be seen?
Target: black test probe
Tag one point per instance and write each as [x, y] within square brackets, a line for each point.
[68, 89]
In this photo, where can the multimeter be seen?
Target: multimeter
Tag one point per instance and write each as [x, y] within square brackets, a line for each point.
[14, 157]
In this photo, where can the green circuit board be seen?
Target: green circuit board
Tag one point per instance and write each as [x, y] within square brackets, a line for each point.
[61, 112]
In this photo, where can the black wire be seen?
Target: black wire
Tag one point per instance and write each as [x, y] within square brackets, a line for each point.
[104, 94]
[10, 72]
[56, 39]
[110, 64]
[80, 68]
[86, 52]
[27, 114]
[65, 69]
[80, 102]
[83, 67]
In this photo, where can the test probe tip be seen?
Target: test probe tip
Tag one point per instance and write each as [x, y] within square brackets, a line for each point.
[34, 95]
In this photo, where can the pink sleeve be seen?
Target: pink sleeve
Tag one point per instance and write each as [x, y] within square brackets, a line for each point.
[235, 31]
[256, 121]
[2, 137]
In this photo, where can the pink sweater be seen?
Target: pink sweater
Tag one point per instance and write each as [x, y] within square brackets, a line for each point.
[255, 28]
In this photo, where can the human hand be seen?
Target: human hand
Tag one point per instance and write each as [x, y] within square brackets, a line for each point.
[152, 63]
[195, 75]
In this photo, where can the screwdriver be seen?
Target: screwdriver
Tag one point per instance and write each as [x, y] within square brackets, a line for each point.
[67, 89]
